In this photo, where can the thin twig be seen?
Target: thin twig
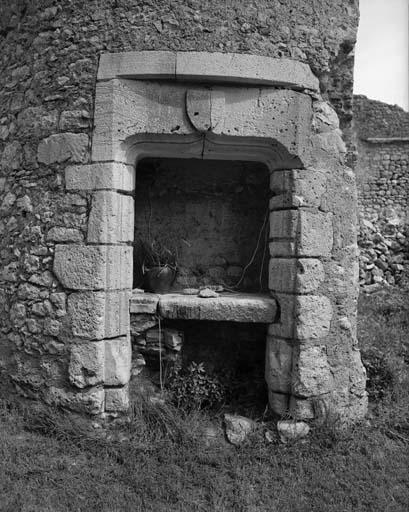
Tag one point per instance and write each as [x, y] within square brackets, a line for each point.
[260, 277]
[160, 356]
[254, 252]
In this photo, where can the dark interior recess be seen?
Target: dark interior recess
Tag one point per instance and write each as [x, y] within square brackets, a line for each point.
[212, 214]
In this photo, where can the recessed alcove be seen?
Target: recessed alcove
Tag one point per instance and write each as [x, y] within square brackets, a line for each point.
[212, 214]
[231, 355]
[159, 171]
[225, 335]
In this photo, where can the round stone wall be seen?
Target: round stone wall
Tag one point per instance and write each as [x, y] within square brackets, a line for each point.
[49, 60]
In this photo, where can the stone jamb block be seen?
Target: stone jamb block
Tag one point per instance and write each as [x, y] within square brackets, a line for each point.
[86, 367]
[99, 315]
[301, 232]
[100, 176]
[295, 275]
[283, 224]
[117, 399]
[302, 408]
[96, 267]
[118, 359]
[278, 402]
[111, 219]
[279, 361]
[311, 373]
[302, 317]
[297, 188]
[89, 401]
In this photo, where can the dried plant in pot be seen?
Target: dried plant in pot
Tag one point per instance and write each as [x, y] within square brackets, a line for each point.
[159, 266]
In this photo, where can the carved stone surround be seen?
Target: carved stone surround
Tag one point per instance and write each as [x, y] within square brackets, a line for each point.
[215, 106]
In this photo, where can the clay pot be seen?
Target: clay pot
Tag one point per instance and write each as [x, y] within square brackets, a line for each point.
[159, 279]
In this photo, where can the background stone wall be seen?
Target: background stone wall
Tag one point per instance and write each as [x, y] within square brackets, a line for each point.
[49, 54]
[382, 135]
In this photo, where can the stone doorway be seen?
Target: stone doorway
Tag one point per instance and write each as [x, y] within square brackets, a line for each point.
[223, 107]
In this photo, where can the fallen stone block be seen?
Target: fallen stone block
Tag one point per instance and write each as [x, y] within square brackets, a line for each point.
[237, 428]
[291, 430]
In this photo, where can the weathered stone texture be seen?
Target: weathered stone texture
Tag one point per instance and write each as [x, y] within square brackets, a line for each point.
[311, 372]
[99, 315]
[279, 365]
[118, 358]
[128, 108]
[117, 399]
[291, 275]
[310, 233]
[111, 219]
[296, 188]
[231, 308]
[100, 176]
[99, 267]
[303, 317]
[62, 147]
[48, 69]
[87, 364]
[89, 401]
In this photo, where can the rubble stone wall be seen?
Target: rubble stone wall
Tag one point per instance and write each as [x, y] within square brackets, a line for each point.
[382, 134]
[49, 59]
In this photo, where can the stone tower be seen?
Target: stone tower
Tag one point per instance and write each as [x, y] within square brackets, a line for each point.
[88, 89]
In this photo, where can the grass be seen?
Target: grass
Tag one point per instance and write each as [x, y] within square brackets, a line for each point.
[161, 460]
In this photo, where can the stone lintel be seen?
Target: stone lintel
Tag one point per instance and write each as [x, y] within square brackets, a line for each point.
[142, 65]
[207, 67]
[131, 121]
[244, 69]
[228, 308]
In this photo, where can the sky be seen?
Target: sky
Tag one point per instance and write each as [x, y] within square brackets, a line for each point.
[382, 51]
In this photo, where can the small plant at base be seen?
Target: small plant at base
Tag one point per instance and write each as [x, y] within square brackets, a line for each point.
[192, 387]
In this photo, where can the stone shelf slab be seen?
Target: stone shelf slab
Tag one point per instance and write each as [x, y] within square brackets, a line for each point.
[252, 308]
